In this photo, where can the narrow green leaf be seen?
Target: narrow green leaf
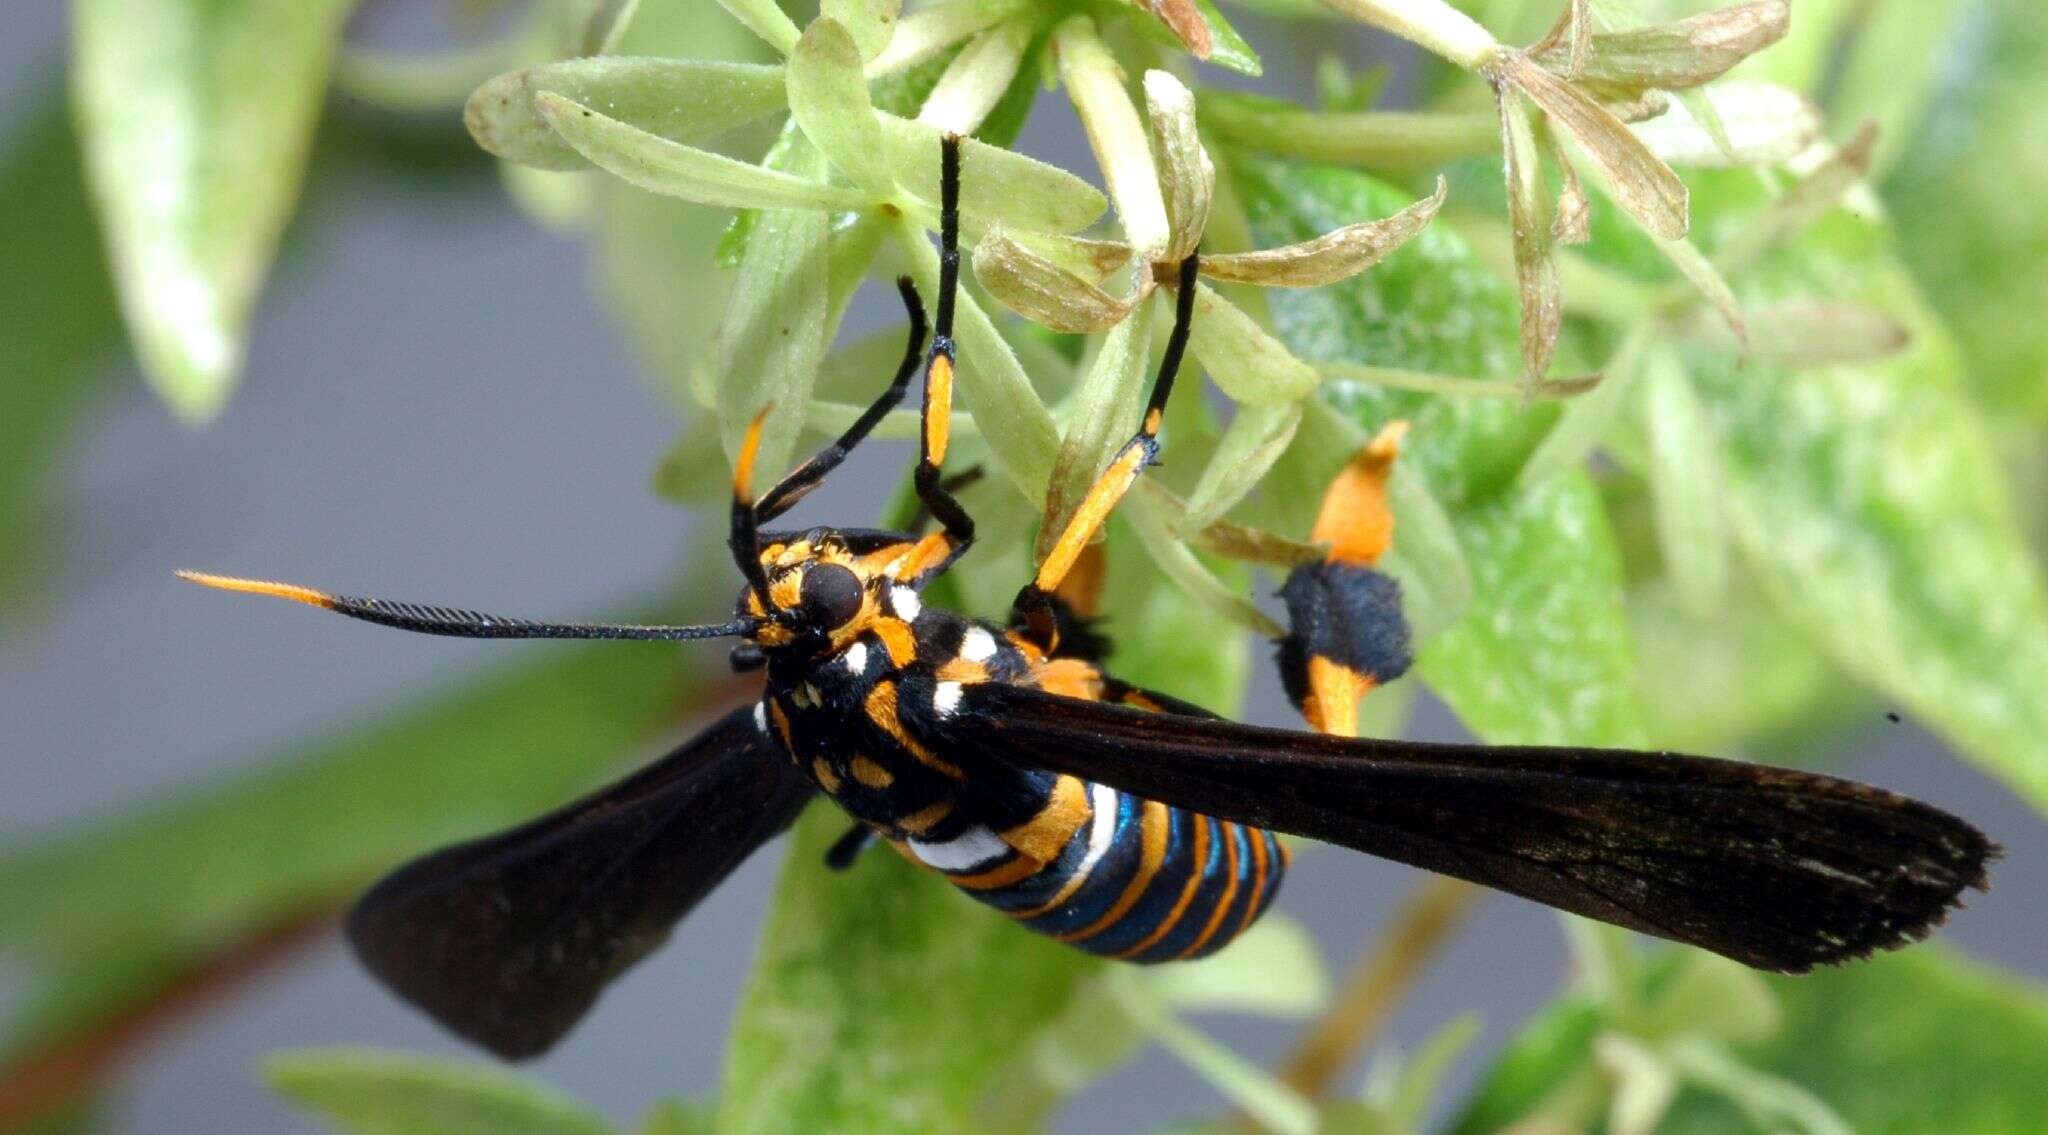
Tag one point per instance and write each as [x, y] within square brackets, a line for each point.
[676, 170]
[1685, 487]
[1918, 1041]
[929, 31]
[1179, 563]
[838, 1029]
[217, 863]
[1095, 85]
[775, 331]
[978, 79]
[1244, 360]
[1258, 435]
[1101, 420]
[995, 184]
[1377, 139]
[373, 1092]
[682, 100]
[829, 100]
[196, 121]
[765, 19]
[1869, 501]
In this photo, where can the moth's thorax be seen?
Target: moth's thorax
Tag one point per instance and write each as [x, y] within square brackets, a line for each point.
[861, 719]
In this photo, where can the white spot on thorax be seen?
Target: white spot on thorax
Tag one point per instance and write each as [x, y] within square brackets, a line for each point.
[856, 658]
[946, 698]
[970, 849]
[905, 603]
[977, 645]
[761, 716]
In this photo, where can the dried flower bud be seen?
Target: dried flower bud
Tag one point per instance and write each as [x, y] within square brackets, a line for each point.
[1040, 290]
[1331, 257]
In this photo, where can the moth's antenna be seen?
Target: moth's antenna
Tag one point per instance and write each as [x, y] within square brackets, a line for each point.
[457, 623]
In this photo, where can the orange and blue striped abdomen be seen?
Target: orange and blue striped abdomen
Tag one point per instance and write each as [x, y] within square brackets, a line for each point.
[1136, 880]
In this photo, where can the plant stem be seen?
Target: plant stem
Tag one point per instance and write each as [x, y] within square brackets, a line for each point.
[1376, 984]
[1377, 139]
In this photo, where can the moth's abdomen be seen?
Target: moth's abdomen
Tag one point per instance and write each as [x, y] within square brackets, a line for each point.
[1139, 880]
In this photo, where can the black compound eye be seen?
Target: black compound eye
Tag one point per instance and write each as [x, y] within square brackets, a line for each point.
[830, 596]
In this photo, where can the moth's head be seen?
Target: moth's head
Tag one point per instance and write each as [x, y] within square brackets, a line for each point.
[820, 595]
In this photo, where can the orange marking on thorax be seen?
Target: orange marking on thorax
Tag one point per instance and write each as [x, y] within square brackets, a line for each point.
[1155, 826]
[881, 709]
[897, 639]
[963, 671]
[925, 819]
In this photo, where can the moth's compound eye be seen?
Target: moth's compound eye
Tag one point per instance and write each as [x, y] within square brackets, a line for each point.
[830, 596]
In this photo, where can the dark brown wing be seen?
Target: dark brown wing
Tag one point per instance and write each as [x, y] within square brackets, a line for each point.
[508, 940]
[1780, 869]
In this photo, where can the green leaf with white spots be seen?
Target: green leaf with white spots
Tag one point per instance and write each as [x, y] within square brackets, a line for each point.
[1544, 654]
[1867, 499]
[372, 1092]
[882, 999]
[196, 121]
[682, 100]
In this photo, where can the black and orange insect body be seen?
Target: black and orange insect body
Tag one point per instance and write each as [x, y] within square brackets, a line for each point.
[1123, 821]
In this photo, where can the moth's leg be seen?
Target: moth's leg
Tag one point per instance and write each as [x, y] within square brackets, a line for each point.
[1347, 632]
[1033, 609]
[938, 551]
[847, 848]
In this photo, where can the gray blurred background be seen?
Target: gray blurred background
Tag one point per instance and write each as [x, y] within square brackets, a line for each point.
[436, 408]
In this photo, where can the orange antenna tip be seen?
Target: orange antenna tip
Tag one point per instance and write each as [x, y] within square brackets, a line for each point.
[291, 591]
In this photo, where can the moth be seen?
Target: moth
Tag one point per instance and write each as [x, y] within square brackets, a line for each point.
[1129, 823]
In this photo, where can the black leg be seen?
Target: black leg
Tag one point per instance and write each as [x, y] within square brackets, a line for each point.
[847, 848]
[1033, 609]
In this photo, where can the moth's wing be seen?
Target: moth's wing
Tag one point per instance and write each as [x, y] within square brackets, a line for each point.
[508, 940]
[1780, 869]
